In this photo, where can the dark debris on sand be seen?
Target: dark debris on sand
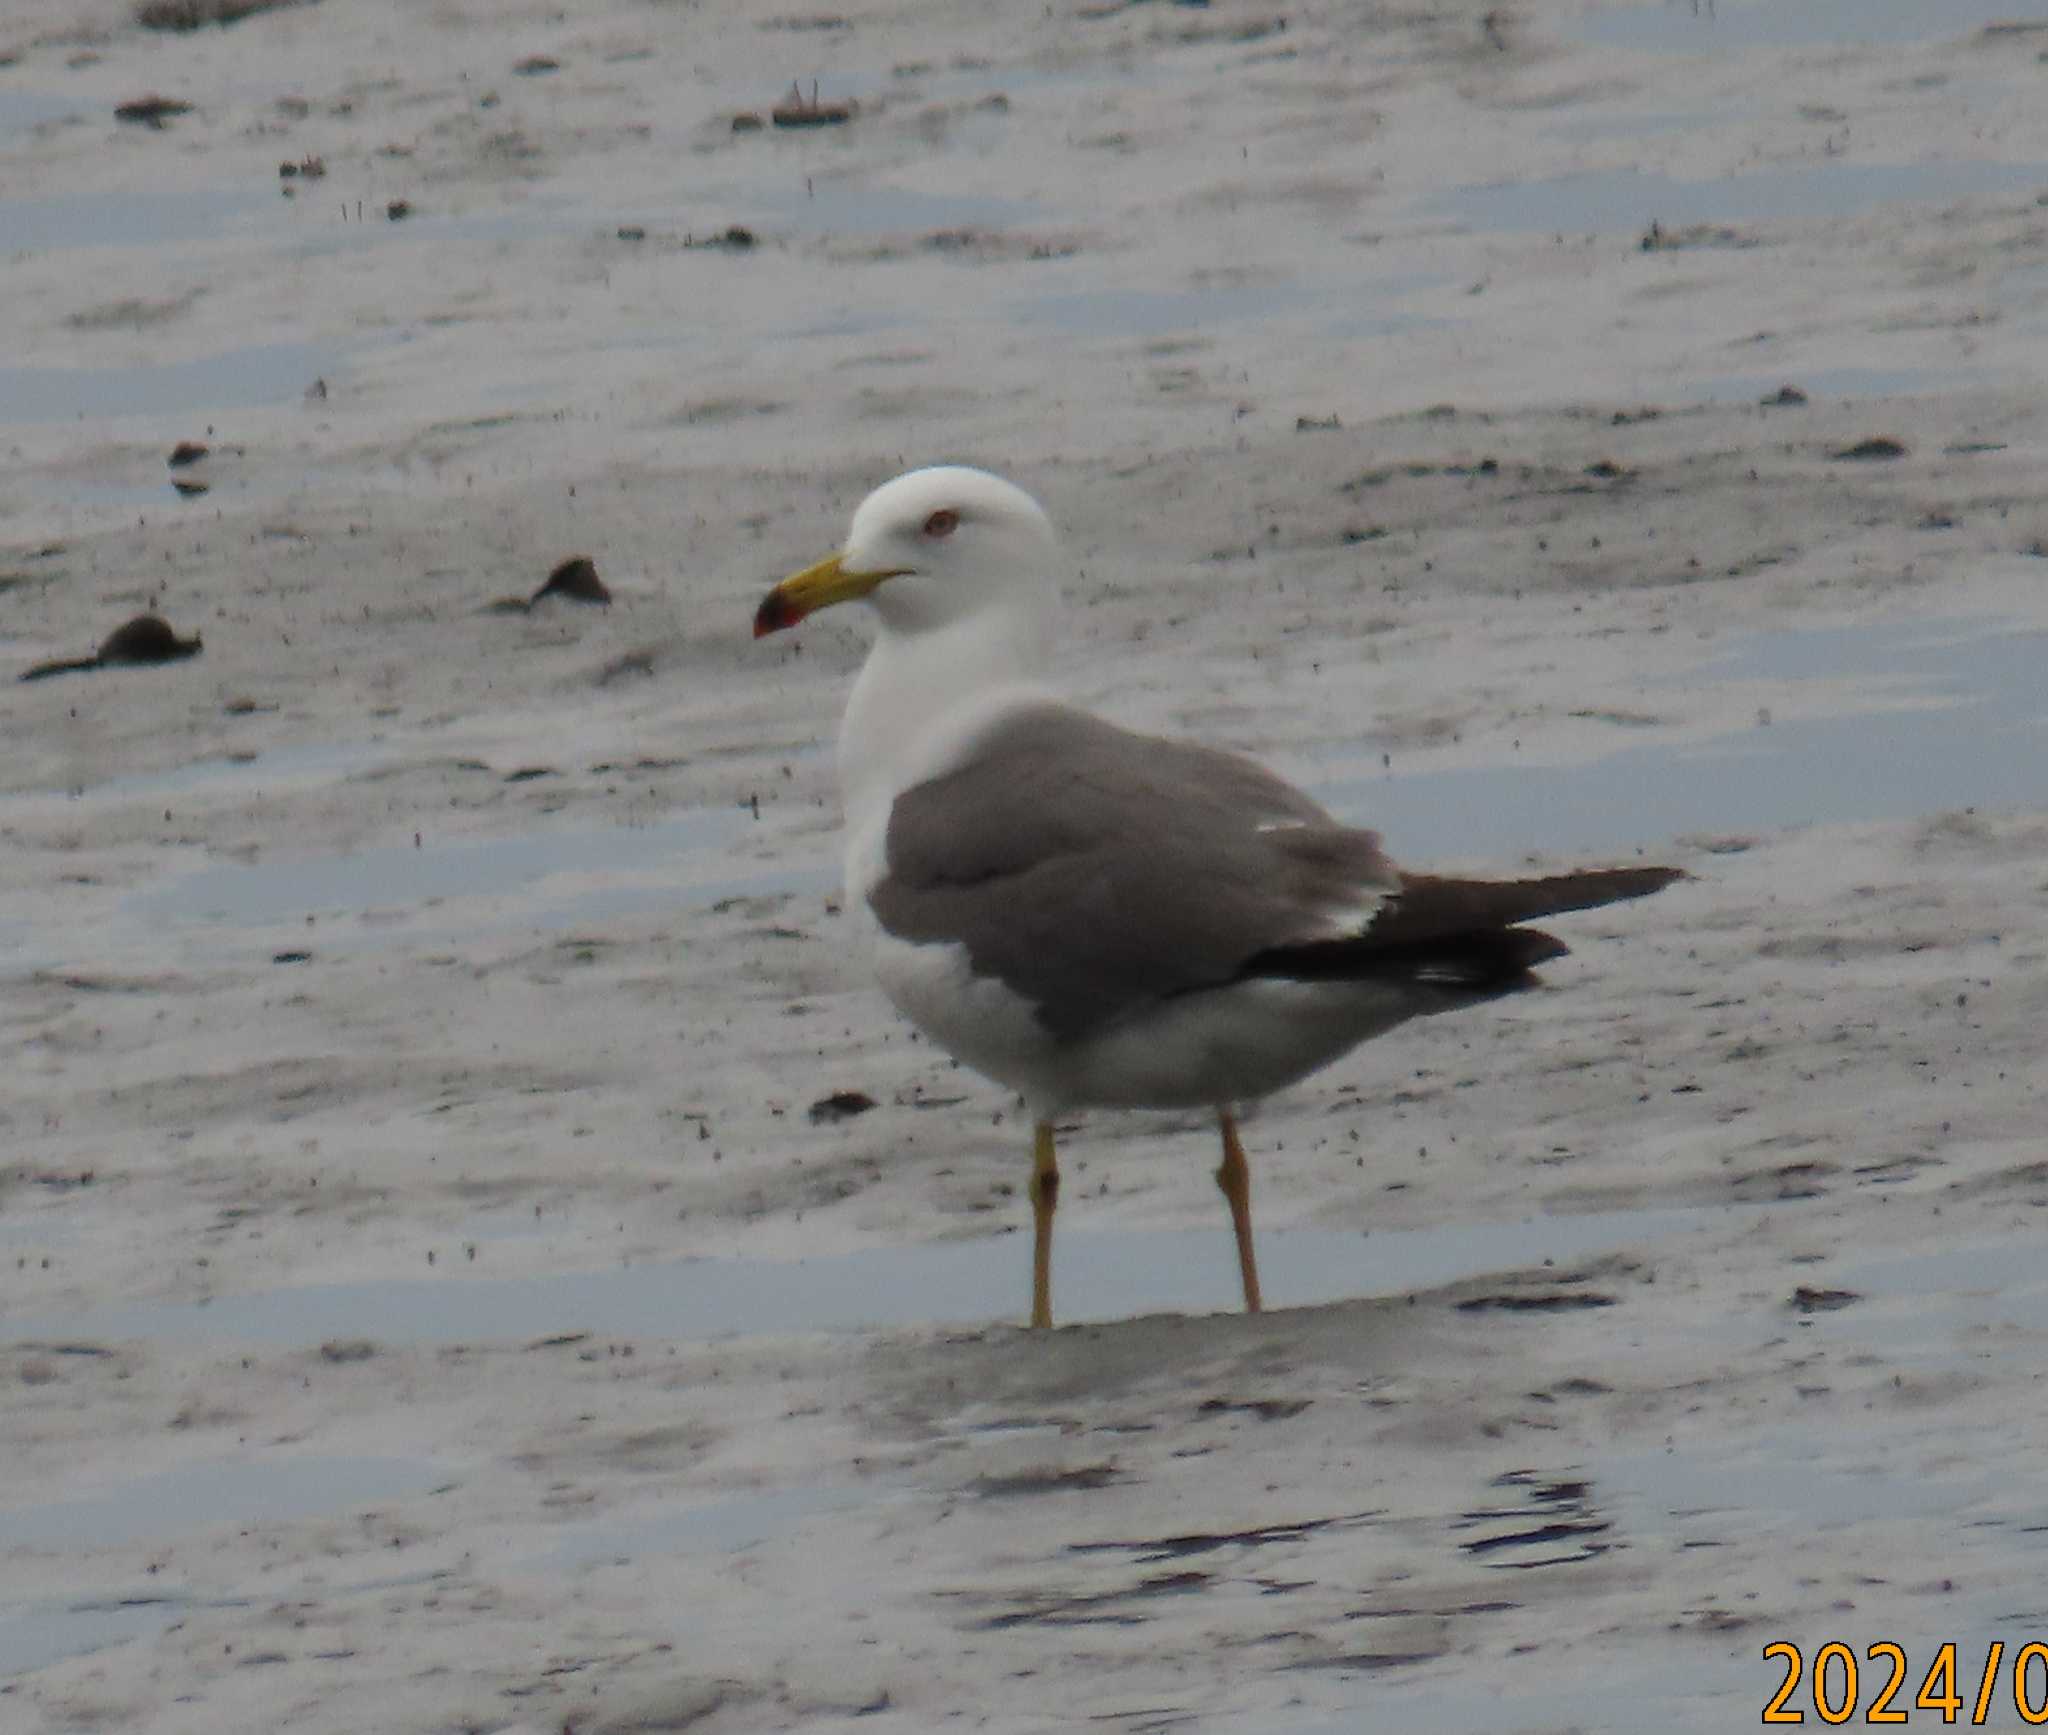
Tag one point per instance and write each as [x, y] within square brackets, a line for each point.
[147, 638]
[573, 580]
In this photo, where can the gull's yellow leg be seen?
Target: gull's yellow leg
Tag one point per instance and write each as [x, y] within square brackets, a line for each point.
[1045, 1199]
[1235, 1178]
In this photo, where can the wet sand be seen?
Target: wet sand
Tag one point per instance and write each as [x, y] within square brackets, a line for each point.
[427, 1301]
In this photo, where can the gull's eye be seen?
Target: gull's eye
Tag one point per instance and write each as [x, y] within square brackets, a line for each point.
[942, 522]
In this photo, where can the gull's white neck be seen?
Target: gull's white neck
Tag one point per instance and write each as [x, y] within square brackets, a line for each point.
[920, 698]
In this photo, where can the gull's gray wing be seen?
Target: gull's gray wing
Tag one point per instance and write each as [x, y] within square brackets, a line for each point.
[1094, 870]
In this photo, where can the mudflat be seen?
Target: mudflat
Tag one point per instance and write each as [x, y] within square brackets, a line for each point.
[476, 1251]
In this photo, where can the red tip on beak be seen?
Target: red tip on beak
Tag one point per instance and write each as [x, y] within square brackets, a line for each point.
[774, 614]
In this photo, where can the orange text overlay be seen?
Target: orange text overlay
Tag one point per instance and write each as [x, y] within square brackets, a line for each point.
[1834, 1683]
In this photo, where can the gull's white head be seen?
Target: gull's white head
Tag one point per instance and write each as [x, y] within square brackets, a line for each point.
[931, 548]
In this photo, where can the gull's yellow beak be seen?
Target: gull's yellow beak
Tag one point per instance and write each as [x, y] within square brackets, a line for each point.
[816, 587]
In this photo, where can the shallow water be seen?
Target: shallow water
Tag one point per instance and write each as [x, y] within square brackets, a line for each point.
[274, 373]
[1828, 382]
[1727, 26]
[275, 1488]
[1981, 1300]
[1628, 199]
[1795, 1479]
[1351, 310]
[96, 497]
[1099, 1275]
[819, 205]
[35, 1637]
[846, 206]
[257, 772]
[1946, 1310]
[1942, 715]
[22, 107]
[285, 1490]
[130, 219]
[1435, 1701]
[267, 1489]
[726, 1526]
[394, 877]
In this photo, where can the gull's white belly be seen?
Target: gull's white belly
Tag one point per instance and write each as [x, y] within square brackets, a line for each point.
[1225, 1045]
[974, 1018]
[1230, 1044]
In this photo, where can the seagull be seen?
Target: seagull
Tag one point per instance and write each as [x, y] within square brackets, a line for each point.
[1098, 918]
